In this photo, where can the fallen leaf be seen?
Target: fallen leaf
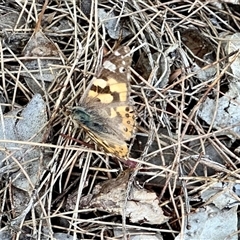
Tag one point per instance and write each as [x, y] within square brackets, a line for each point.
[142, 206]
[23, 125]
[211, 223]
[42, 60]
[113, 26]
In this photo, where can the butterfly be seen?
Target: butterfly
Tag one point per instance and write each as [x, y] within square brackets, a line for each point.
[105, 111]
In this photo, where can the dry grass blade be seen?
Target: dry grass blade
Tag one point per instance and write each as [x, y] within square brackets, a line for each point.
[184, 158]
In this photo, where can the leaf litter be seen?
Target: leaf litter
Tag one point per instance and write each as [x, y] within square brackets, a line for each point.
[47, 59]
[185, 84]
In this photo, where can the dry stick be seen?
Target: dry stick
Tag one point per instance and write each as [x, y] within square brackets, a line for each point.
[147, 26]
[4, 89]
[179, 146]
[38, 25]
[190, 21]
[194, 110]
[218, 89]
[134, 174]
[179, 143]
[181, 234]
[216, 133]
[80, 189]
[141, 33]
[223, 22]
[235, 18]
[83, 150]
[65, 215]
[59, 100]
[189, 15]
[37, 29]
[206, 93]
[87, 47]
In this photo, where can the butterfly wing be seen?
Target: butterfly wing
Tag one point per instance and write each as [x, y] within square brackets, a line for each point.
[105, 110]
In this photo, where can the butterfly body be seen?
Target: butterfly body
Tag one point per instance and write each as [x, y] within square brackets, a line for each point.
[105, 111]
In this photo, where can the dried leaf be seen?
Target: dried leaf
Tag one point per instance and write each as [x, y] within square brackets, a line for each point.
[227, 114]
[8, 21]
[137, 235]
[202, 51]
[232, 44]
[161, 69]
[64, 236]
[199, 45]
[42, 70]
[211, 223]
[23, 125]
[220, 194]
[142, 205]
[113, 26]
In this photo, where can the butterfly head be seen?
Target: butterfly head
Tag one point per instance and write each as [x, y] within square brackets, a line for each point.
[80, 115]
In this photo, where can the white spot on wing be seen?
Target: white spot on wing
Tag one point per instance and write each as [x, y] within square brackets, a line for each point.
[122, 69]
[110, 66]
[117, 53]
